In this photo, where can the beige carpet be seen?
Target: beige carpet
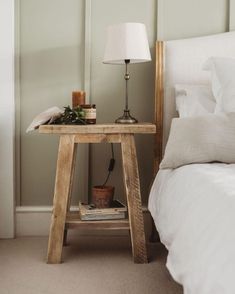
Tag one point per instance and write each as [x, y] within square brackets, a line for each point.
[92, 265]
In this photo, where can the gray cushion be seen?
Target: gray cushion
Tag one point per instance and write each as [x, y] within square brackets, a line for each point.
[200, 139]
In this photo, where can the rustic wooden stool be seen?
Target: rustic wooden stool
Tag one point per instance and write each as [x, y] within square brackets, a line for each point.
[62, 218]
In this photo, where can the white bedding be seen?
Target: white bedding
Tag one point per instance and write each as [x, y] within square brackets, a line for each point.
[194, 211]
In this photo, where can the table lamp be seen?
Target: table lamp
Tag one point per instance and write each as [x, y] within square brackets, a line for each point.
[126, 43]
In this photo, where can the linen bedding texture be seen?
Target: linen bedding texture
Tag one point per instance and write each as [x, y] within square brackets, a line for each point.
[209, 138]
[205, 131]
[193, 208]
[194, 100]
[223, 82]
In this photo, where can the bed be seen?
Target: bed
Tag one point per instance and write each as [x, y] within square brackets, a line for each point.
[193, 205]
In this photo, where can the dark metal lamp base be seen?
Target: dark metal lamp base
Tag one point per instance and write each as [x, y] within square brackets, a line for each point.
[126, 118]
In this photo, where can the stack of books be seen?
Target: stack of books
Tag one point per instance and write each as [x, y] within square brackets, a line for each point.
[116, 211]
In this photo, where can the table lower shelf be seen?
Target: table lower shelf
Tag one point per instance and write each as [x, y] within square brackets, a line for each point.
[73, 221]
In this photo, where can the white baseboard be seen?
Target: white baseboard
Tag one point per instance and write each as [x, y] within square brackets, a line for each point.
[34, 221]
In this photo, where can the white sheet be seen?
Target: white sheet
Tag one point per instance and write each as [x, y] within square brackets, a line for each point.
[194, 211]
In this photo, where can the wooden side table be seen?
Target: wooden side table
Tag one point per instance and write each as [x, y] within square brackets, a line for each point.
[62, 219]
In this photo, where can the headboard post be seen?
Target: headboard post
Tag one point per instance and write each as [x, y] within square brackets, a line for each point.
[159, 95]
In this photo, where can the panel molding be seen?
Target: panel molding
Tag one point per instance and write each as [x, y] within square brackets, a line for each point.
[85, 83]
[7, 119]
[87, 50]
[232, 15]
[17, 103]
[35, 221]
[177, 21]
[160, 20]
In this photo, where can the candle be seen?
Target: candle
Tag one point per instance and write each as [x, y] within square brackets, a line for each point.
[78, 98]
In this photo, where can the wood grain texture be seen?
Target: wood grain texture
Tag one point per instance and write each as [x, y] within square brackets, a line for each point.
[139, 128]
[132, 187]
[63, 182]
[63, 219]
[73, 221]
[97, 138]
[70, 189]
[159, 104]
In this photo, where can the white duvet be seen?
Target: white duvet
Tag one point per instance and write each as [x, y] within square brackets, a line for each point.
[194, 211]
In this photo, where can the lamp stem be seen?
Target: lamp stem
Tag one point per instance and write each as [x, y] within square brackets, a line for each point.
[127, 77]
[126, 118]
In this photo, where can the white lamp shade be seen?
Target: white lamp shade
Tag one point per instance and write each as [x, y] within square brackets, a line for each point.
[126, 41]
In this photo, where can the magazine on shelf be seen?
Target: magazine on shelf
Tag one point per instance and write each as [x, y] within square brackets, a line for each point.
[116, 211]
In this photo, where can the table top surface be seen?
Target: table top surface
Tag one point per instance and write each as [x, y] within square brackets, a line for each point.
[112, 128]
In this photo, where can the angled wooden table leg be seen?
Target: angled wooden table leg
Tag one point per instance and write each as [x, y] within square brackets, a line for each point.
[63, 182]
[70, 193]
[132, 186]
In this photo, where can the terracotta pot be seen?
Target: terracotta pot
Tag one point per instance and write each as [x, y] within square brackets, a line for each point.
[102, 196]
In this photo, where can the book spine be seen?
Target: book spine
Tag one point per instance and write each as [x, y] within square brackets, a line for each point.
[103, 217]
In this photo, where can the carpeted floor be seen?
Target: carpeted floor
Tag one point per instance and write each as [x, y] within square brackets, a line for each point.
[92, 265]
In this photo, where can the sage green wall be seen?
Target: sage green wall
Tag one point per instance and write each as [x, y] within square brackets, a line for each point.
[52, 57]
[51, 47]
[107, 87]
[232, 15]
[189, 18]
[172, 19]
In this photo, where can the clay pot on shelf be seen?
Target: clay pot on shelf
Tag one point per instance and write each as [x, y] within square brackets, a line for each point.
[102, 196]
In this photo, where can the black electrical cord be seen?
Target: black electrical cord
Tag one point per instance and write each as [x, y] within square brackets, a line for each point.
[111, 165]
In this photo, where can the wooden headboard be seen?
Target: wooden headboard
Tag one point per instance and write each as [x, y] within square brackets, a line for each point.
[180, 62]
[159, 96]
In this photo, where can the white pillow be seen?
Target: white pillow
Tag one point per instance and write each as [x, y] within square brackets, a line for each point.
[194, 100]
[200, 139]
[223, 82]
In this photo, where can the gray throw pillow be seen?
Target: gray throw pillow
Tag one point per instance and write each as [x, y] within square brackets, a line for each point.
[208, 138]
